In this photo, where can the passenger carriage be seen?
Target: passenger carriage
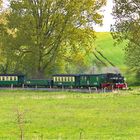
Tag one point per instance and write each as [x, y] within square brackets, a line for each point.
[11, 80]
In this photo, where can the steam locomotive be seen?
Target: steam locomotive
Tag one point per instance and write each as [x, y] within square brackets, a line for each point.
[99, 81]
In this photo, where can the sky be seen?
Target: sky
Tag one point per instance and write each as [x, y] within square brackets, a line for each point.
[108, 19]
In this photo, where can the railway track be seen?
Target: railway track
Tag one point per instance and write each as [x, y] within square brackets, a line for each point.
[89, 90]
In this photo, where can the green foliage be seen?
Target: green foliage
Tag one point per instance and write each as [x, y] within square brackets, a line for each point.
[71, 115]
[43, 31]
[127, 27]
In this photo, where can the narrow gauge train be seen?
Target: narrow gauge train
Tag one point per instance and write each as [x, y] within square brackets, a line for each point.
[107, 80]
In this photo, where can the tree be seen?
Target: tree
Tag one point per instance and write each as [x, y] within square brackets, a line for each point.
[127, 27]
[3, 29]
[44, 30]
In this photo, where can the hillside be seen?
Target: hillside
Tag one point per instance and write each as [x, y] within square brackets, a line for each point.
[105, 45]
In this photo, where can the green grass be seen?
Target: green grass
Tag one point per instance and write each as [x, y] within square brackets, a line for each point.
[71, 116]
[115, 54]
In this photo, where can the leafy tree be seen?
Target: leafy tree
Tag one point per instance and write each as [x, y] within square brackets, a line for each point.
[127, 27]
[3, 29]
[45, 30]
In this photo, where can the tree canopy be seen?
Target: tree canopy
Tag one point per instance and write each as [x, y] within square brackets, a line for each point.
[127, 27]
[41, 33]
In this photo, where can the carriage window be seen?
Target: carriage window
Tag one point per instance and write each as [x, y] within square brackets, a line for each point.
[8, 78]
[11, 78]
[73, 79]
[1, 78]
[67, 79]
[60, 78]
[15, 78]
[63, 79]
[54, 79]
[4, 78]
[57, 79]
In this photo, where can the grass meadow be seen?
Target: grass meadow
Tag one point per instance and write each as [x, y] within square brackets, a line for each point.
[69, 116]
[115, 54]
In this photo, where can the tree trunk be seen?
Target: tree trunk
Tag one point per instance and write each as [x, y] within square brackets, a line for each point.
[40, 73]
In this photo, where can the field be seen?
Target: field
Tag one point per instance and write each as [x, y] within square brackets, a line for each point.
[69, 116]
[105, 43]
[115, 54]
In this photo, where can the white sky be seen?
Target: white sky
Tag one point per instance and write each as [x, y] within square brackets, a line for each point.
[108, 18]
